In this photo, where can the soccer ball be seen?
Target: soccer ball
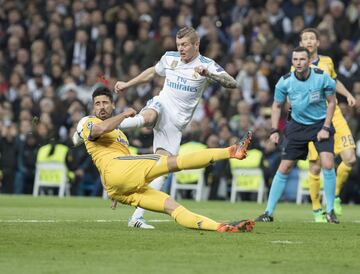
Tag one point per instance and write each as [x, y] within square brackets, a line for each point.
[78, 137]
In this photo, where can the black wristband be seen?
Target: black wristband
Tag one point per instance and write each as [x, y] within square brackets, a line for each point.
[274, 130]
[328, 129]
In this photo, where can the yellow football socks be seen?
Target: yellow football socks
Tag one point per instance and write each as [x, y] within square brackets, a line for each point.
[342, 173]
[150, 199]
[202, 158]
[188, 219]
[314, 188]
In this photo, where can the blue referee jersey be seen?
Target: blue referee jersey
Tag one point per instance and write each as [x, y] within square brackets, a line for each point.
[307, 97]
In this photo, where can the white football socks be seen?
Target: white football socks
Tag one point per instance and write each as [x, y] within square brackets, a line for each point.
[132, 122]
[156, 184]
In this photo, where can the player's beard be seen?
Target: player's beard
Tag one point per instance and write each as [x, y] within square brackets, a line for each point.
[103, 114]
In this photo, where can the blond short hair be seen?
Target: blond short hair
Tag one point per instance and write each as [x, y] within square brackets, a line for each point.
[188, 32]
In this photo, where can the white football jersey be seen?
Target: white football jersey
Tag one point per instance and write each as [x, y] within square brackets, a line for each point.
[183, 87]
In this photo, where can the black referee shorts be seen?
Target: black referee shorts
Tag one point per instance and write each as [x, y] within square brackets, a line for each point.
[294, 145]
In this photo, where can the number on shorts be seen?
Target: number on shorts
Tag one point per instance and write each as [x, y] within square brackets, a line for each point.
[347, 140]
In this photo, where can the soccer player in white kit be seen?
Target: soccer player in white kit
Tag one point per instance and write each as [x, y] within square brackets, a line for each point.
[187, 74]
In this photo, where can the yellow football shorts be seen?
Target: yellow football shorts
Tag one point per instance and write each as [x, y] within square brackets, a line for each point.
[126, 179]
[343, 138]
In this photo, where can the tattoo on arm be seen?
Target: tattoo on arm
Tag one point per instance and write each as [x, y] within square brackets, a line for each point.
[223, 79]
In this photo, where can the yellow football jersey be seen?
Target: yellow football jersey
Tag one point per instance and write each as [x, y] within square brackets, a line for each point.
[324, 63]
[343, 138]
[108, 146]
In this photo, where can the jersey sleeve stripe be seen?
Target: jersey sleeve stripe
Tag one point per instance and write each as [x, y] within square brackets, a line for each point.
[172, 53]
[204, 60]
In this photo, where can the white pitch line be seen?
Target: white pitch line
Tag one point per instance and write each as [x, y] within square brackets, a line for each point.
[74, 221]
[102, 221]
[285, 242]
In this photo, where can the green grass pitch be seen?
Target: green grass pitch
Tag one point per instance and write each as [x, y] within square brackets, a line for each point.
[83, 235]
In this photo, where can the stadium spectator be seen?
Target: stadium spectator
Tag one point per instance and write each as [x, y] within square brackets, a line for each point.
[298, 25]
[38, 83]
[251, 81]
[25, 172]
[13, 45]
[280, 23]
[342, 26]
[293, 8]
[8, 156]
[311, 19]
[82, 51]
[349, 72]
[328, 47]
[236, 35]
[278, 68]
[146, 48]
[240, 11]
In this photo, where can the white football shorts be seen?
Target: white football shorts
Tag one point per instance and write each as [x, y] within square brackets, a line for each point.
[166, 134]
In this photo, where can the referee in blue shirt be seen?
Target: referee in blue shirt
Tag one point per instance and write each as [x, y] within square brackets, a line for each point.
[311, 93]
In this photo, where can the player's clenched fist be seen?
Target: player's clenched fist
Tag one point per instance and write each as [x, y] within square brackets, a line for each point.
[351, 100]
[130, 112]
[120, 86]
[323, 135]
[201, 70]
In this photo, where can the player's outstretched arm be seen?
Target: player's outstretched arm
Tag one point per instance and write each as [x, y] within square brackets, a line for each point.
[111, 123]
[341, 89]
[223, 79]
[143, 77]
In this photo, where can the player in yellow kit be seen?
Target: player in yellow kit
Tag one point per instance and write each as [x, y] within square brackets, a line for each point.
[126, 177]
[344, 141]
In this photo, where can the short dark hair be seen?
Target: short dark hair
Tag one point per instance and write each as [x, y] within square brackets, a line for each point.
[301, 49]
[312, 30]
[103, 91]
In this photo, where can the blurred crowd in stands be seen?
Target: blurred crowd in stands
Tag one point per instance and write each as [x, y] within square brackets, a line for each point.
[52, 53]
